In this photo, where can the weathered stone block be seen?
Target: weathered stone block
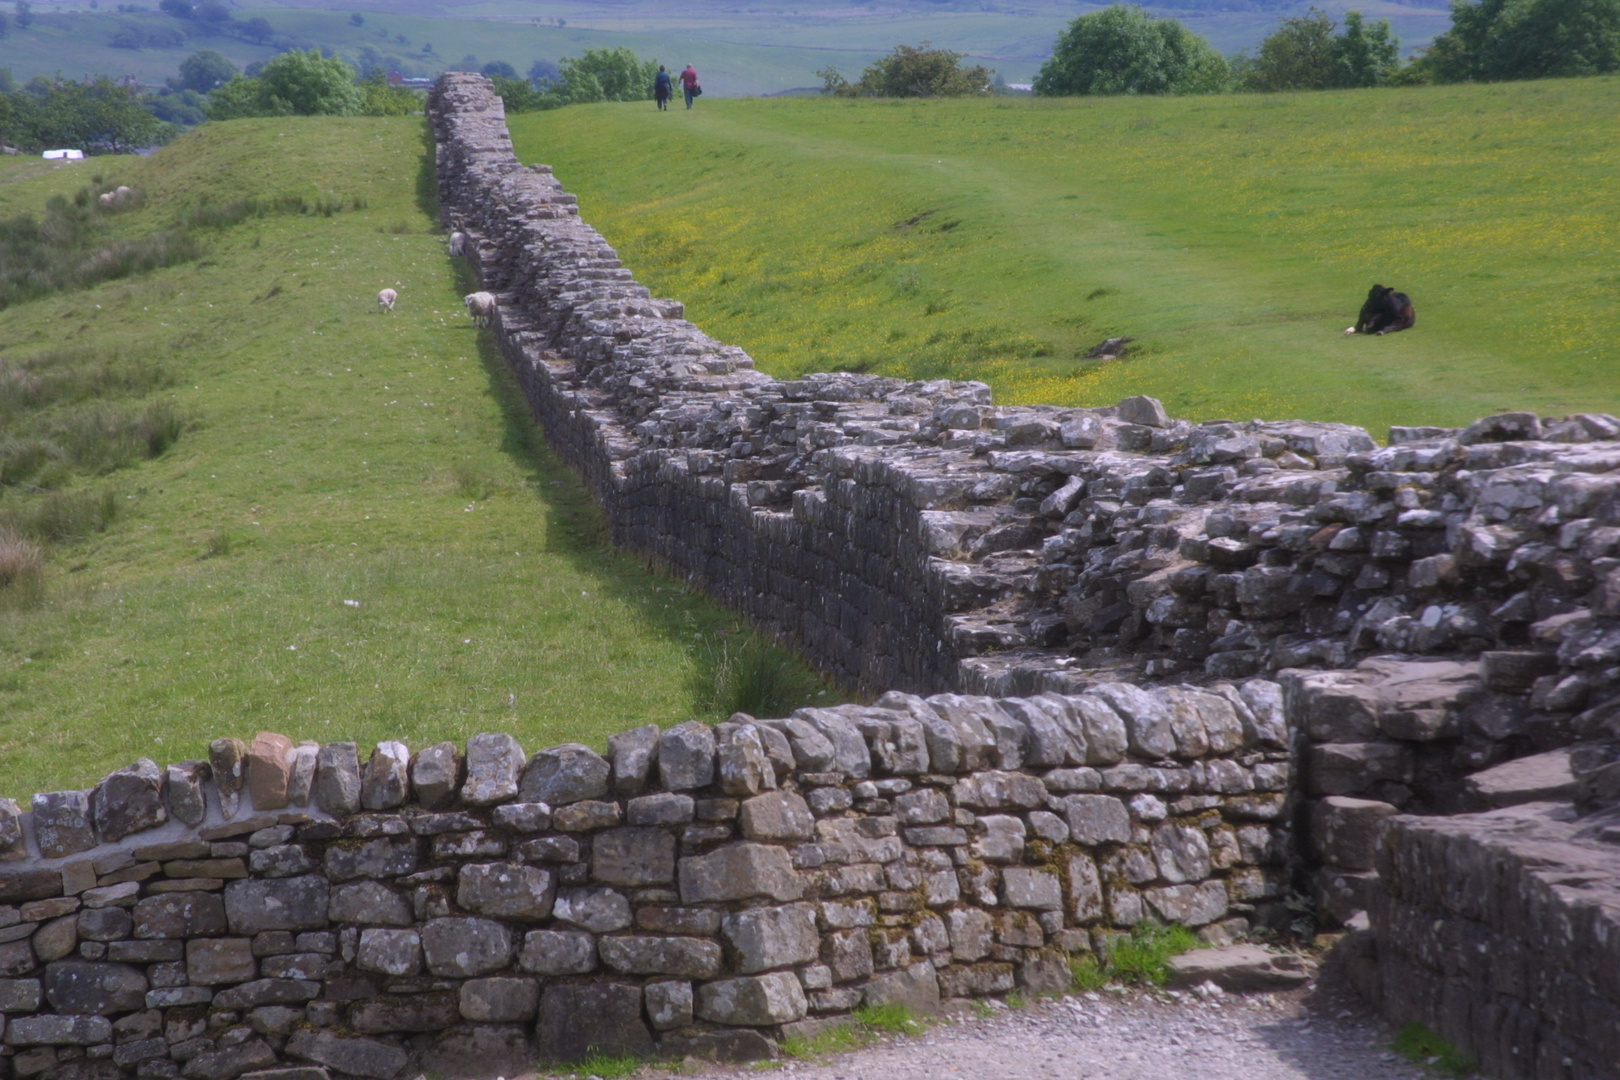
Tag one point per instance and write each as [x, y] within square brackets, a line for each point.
[368, 903]
[769, 937]
[219, 961]
[269, 772]
[558, 952]
[506, 891]
[578, 1019]
[62, 823]
[95, 989]
[436, 775]
[1097, 819]
[633, 754]
[227, 764]
[386, 783]
[463, 948]
[669, 1004]
[692, 958]
[337, 779]
[390, 952]
[1181, 852]
[130, 801]
[1027, 887]
[1344, 831]
[752, 1001]
[433, 1011]
[565, 774]
[356, 1057]
[500, 1000]
[494, 765]
[58, 1030]
[633, 856]
[915, 986]
[777, 817]
[600, 911]
[251, 906]
[743, 766]
[740, 871]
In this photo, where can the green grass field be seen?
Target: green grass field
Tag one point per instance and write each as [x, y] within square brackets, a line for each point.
[1235, 237]
[359, 535]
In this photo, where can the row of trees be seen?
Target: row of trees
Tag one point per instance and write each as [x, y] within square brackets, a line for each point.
[595, 75]
[97, 115]
[1124, 50]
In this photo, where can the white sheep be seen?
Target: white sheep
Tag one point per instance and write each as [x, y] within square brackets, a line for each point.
[481, 306]
[124, 194]
[458, 243]
[386, 298]
[106, 198]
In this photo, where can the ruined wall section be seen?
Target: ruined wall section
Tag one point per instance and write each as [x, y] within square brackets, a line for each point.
[917, 536]
[698, 890]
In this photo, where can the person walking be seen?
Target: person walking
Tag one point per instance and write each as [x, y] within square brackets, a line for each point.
[689, 84]
[663, 87]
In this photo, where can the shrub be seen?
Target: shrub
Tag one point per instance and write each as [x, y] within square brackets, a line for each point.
[292, 84]
[1124, 50]
[912, 71]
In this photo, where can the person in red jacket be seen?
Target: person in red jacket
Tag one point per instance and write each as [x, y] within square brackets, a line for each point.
[689, 84]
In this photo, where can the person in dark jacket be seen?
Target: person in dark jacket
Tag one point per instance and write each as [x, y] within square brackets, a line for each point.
[663, 87]
[689, 84]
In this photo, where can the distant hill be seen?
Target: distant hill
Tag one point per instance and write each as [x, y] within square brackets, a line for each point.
[769, 47]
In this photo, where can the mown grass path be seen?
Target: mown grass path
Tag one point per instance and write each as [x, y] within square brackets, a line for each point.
[361, 535]
[1235, 237]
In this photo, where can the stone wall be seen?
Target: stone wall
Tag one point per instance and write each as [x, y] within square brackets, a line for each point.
[694, 891]
[1501, 932]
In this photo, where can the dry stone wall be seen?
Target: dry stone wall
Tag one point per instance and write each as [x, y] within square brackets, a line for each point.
[288, 912]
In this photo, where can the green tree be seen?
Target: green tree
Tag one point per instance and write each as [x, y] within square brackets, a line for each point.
[616, 74]
[357, 19]
[380, 98]
[520, 96]
[204, 70]
[257, 29]
[498, 68]
[1305, 53]
[291, 84]
[1492, 40]
[919, 71]
[1124, 50]
[97, 116]
[25, 14]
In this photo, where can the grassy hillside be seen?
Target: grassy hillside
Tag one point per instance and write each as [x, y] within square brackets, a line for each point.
[1234, 237]
[358, 534]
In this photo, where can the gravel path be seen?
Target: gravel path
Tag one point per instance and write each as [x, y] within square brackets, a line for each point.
[1313, 1034]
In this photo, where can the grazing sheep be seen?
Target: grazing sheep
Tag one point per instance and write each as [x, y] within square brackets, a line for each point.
[481, 306]
[386, 298]
[106, 198]
[124, 194]
[458, 243]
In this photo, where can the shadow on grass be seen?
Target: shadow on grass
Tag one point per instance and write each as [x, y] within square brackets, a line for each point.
[741, 672]
[427, 174]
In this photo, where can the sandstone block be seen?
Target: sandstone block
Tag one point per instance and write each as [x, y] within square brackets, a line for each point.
[847, 955]
[269, 772]
[227, 763]
[254, 905]
[1027, 887]
[1181, 852]
[1344, 831]
[1002, 839]
[999, 790]
[741, 762]
[1239, 969]
[58, 1030]
[301, 762]
[915, 986]
[231, 1062]
[386, 856]
[558, 952]
[368, 903]
[528, 817]
[662, 808]
[632, 754]
[252, 995]
[1353, 768]
[1147, 718]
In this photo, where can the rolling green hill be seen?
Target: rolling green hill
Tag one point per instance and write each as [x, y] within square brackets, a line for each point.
[358, 534]
[1234, 237]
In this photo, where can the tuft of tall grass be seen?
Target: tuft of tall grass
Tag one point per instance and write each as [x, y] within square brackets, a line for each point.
[224, 215]
[1141, 957]
[756, 678]
[865, 1024]
[22, 572]
[65, 376]
[103, 438]
[61, 516]
[62, 250]
[1418, 1044]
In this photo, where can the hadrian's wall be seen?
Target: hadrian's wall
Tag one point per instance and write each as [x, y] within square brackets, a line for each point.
[1443, 612]
[294, 913]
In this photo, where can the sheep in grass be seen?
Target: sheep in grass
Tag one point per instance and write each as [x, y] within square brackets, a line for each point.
[458, 243]
[386, 298]
[481, 306]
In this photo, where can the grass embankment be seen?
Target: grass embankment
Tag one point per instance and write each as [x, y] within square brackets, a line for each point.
[358, 534]
[1235, 237]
